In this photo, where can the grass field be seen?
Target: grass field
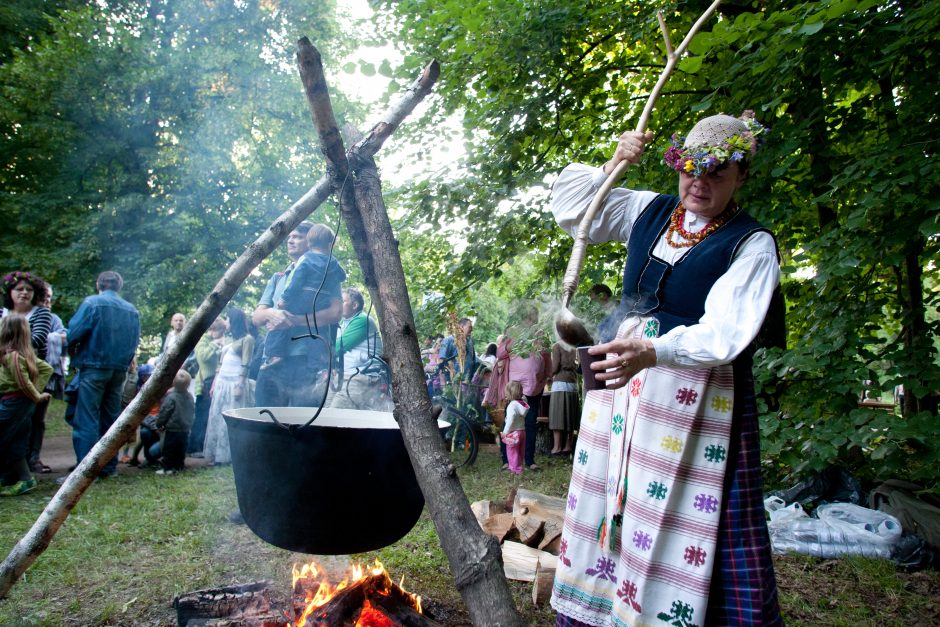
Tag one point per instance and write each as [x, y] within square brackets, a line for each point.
[135, 541]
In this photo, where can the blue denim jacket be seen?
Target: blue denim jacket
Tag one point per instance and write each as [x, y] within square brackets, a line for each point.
[104, 331]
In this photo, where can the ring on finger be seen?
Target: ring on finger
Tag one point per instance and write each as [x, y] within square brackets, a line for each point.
[624, 362]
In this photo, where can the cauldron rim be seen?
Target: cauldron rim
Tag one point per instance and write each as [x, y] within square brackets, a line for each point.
[329, 417]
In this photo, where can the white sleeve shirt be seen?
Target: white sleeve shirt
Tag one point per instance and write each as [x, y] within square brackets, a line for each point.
[736, 304]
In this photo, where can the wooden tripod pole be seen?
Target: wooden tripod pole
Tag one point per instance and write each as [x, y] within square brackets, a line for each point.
[573, 272]
[31, 545]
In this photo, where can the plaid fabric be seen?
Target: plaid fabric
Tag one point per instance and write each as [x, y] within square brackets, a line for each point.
[744, 589]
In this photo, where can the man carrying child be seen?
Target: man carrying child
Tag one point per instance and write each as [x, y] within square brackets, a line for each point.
[292, 380]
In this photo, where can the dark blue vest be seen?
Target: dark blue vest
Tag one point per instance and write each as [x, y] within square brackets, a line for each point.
[675, 294]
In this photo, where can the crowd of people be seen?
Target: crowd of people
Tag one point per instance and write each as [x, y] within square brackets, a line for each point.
[684, 538]
[305, 315]
[512, 374]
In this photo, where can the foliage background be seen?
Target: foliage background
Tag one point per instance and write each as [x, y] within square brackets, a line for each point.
[159, 137]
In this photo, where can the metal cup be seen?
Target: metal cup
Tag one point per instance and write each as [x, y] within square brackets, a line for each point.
[586, 359]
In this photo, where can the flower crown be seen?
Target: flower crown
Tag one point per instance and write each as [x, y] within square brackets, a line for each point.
[699, 160]
[10, 280]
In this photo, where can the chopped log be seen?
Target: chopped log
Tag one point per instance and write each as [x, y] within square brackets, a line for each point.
[536, 504]
[550, 534]
[243, 603]
[484, 509]
[530, 528]
[499, 525]
[553, 547]
[520, 561]
[542, 586]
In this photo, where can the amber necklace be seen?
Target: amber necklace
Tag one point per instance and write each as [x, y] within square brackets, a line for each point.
[691, 239]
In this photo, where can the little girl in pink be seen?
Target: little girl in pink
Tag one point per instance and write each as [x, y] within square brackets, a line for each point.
[513, 435]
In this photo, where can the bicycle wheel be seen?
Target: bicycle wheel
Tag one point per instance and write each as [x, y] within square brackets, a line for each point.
[460, 440]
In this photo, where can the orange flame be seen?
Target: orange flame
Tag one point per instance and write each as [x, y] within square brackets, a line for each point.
[319, 591]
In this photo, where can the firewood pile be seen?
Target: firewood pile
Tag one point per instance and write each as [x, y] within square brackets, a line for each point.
[528, 525]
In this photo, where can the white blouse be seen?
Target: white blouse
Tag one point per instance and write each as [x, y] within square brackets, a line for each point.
[736, 304]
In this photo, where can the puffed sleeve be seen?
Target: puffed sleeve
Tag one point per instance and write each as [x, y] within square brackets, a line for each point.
[573, 192]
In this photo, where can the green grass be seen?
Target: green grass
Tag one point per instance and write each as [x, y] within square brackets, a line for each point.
[133, 542]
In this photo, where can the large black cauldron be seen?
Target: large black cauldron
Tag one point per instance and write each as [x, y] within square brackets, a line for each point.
[343, 484]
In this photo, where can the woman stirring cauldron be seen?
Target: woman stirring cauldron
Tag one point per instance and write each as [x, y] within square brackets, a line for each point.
[665, 520]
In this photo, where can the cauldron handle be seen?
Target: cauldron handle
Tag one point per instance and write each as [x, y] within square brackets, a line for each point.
[292, 429]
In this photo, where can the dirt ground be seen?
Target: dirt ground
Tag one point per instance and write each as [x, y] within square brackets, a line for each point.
[58, 454]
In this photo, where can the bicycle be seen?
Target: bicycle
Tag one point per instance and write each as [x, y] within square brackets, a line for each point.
[463, 411]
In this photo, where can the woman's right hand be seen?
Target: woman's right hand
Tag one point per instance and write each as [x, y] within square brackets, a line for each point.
[630, 148]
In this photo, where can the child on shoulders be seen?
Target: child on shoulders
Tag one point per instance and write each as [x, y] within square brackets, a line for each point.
[316, 271]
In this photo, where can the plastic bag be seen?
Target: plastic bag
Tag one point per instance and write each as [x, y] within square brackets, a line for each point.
[868, 524]
[841, 529]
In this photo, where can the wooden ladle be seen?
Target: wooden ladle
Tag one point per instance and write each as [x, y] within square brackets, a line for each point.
[569, 328]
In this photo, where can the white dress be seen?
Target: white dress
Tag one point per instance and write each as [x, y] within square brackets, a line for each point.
[228, 377]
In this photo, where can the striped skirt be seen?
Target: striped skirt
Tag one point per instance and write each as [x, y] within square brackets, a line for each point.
[665, 521]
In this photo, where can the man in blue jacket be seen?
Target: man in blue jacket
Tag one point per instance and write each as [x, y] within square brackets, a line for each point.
[102, 338]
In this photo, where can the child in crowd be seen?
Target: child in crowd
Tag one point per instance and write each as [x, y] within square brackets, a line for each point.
[513, 435]
[148, 434]
[317, 278]
[22, 376]
[176, 417]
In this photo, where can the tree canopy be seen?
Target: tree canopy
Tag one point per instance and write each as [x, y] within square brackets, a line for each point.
[847, 179]
[158, 137]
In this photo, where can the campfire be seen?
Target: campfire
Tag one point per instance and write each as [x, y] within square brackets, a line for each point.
[363, 599]
[367, 597]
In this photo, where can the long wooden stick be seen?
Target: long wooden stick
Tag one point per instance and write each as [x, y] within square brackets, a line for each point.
[573, 272]
[31, 545]
[474, 556]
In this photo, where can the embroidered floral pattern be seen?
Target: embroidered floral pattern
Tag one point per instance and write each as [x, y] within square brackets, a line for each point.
[671, 443]
[582, 457]
[715, 453]
[604, 569]
[722, 404]
[572, 501]
[642, 540]
[680, 615]
[695, 555]
[627, 594]
[563, 552]
[652, 328]
[685, 396]
[706, 503]
[635, 387]
[616, 424]
[657, 490]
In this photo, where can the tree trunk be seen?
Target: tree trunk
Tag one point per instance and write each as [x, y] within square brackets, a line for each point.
[31, 546]
[474, 556]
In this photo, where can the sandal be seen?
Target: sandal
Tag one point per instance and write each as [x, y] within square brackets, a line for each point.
[41, 468]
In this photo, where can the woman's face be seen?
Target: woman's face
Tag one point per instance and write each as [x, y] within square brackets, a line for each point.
[708, 195]
[22, 295]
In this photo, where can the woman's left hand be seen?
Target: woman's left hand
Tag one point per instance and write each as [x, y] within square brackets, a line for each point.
[627, 357]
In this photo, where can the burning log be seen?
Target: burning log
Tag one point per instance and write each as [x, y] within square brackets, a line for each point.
[372, 600]
[241, 604]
